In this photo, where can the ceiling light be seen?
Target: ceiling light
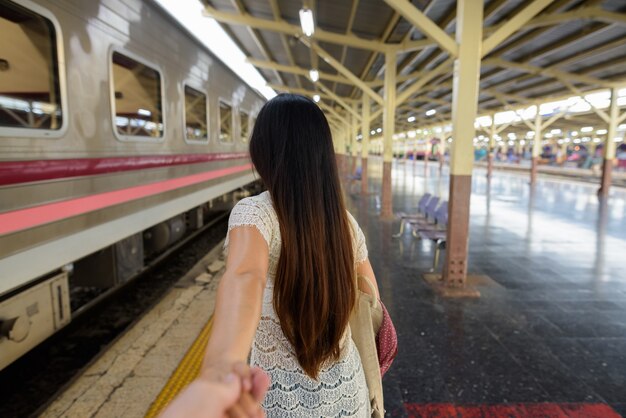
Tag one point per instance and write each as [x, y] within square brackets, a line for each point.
[372, 132]
[586, 129]
[379, 130]
[574, 133]
[144, 112]
[314, 74]
[316, 98]
[601, 131]
[555, 131]
[306, 21]
[431, 112]
[411, 119]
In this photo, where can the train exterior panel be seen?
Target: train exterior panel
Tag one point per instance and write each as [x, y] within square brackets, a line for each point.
[140, 125]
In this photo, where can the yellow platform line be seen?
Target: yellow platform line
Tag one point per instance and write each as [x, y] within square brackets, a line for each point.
[186, 371]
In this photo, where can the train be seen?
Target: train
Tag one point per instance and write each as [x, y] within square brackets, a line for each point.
[118, 130]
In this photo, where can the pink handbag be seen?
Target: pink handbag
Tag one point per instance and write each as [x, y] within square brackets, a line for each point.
[386, 342]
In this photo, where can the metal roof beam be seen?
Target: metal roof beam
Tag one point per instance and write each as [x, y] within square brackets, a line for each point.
[550, 72]
[332, 111]
[344, 49]
[513, 25]
[257, 38]
[283, 39]
[282, 26]
[428, 27]
[308, 93]
[343, 70]
[339, 100]
[413, 88]
[293, 69]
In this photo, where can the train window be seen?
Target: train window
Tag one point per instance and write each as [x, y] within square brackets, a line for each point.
[30, 84]
[137, 105]
[244, 120]
[226, 122]
[195, 115]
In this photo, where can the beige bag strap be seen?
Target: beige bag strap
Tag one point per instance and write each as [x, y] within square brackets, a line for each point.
[372, 289]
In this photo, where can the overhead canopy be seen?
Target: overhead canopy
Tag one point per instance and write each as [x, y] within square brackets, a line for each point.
[534, 51]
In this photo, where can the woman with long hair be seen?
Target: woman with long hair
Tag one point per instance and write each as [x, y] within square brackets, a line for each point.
[289, 289]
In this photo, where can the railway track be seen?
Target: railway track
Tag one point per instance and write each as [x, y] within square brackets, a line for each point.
[31, 383]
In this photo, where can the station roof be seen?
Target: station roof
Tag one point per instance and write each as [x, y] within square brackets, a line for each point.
[563, 48]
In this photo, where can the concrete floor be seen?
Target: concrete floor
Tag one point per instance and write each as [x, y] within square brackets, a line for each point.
[552, 329]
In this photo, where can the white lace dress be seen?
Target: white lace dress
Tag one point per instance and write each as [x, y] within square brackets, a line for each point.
[340, 389]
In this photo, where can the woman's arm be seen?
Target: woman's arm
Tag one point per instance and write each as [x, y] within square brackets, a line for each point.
[239, 300]
[365, 269]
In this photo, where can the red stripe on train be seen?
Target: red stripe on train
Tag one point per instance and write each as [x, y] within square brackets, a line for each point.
[39, 215]
[14, 172]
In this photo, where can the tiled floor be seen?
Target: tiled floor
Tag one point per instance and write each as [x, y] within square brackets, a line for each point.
[553, 329]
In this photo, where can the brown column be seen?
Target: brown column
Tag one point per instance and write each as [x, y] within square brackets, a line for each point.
[364, 185]
[537, 147]
[489, 164]
[386, 210]
[607, 176]
[533, 169]
[340, 167]
[455, 268]
[389, 115]
[609, 147]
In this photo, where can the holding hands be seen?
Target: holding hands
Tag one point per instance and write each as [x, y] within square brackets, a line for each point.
[235, 392]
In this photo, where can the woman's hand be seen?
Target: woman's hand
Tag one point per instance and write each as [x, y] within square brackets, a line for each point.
[220, 392]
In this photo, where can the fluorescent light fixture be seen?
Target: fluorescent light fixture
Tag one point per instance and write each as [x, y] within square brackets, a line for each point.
[622, 126]
[555, 131]
[411, 119]
[618, 139]
[144, 112]
[511, 135]
[586, 129]
[431, 112]
[574, 133]
[316, 98]
[601, 131]
[210, 34]
[306, 21]
[314, 75]
[548, 135]
[596, 140]
[379, 130]
[530, 134]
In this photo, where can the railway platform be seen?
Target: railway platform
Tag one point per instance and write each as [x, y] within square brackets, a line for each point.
[546, 337]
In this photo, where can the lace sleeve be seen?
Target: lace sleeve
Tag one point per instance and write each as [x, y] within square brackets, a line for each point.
[360, 248]
[248, 212]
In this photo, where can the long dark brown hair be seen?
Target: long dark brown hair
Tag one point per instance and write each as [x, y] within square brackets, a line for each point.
[314, 290]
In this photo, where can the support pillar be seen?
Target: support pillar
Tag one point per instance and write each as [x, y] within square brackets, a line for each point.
[441, 148]
[365, 131]
[536, 148]
[492, 146]
[354, 128]
[389, 113]
[609, 148]
[340, 153]
[464, 109]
